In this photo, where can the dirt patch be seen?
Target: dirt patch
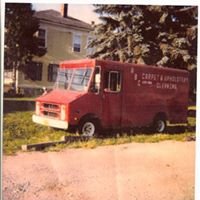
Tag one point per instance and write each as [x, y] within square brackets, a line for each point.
[147, 171]
[14, 106]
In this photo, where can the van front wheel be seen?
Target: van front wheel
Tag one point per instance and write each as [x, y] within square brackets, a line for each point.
[88, 128]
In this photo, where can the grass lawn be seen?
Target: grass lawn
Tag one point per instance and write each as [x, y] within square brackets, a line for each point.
[19, 129]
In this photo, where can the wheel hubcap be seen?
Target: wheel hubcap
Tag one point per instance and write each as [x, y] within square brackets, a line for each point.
[88, 129]
[160, 126]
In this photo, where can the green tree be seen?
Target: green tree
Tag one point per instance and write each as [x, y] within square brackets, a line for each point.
[153, 35]
[21, 41]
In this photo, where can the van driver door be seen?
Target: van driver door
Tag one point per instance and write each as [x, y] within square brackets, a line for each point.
[112, 99]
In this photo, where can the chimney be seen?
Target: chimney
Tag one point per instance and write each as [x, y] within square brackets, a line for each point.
[64, 10]
[92, 24]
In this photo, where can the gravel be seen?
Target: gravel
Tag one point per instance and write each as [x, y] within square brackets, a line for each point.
[136, 171]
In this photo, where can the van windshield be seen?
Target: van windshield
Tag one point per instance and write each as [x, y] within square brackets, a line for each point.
[76, 79]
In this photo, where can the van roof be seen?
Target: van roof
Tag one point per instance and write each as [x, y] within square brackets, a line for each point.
[78, 63]
[94, 62]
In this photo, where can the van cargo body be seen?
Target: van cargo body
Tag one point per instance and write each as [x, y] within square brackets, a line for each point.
[91, 94]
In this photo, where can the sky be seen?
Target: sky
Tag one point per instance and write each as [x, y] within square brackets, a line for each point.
[82, 12]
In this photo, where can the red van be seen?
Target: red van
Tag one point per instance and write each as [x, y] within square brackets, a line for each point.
[91, 94]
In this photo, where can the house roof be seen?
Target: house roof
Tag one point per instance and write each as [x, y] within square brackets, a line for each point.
[55, 17]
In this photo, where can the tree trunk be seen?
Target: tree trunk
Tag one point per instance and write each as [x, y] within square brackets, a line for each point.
[15, 84]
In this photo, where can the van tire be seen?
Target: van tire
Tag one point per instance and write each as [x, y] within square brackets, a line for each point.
[159, 125]
[88, 127]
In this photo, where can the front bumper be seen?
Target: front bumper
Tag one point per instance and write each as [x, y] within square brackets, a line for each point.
[50, 122]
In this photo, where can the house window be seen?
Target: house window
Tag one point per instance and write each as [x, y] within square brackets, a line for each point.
[52, 72]
[42, 38]
[76, 43]
[33, 71]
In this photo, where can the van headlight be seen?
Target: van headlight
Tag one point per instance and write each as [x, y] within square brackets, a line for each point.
[37, 108]
[63, 112]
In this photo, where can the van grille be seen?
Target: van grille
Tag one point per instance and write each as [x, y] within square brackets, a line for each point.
[50, 114]
[50, 110]
[50, 106]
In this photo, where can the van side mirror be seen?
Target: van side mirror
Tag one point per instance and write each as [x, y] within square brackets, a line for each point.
[93, 89]
[97, 80]
[95, 86]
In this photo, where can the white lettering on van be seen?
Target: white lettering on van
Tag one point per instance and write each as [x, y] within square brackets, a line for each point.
[160, 81]
[132, 70]
[135, 77]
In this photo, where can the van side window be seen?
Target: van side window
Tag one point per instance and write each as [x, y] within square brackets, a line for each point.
[112, 81]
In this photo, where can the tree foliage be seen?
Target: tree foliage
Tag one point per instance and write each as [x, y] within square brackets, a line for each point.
[21, 41]
[155, 35]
